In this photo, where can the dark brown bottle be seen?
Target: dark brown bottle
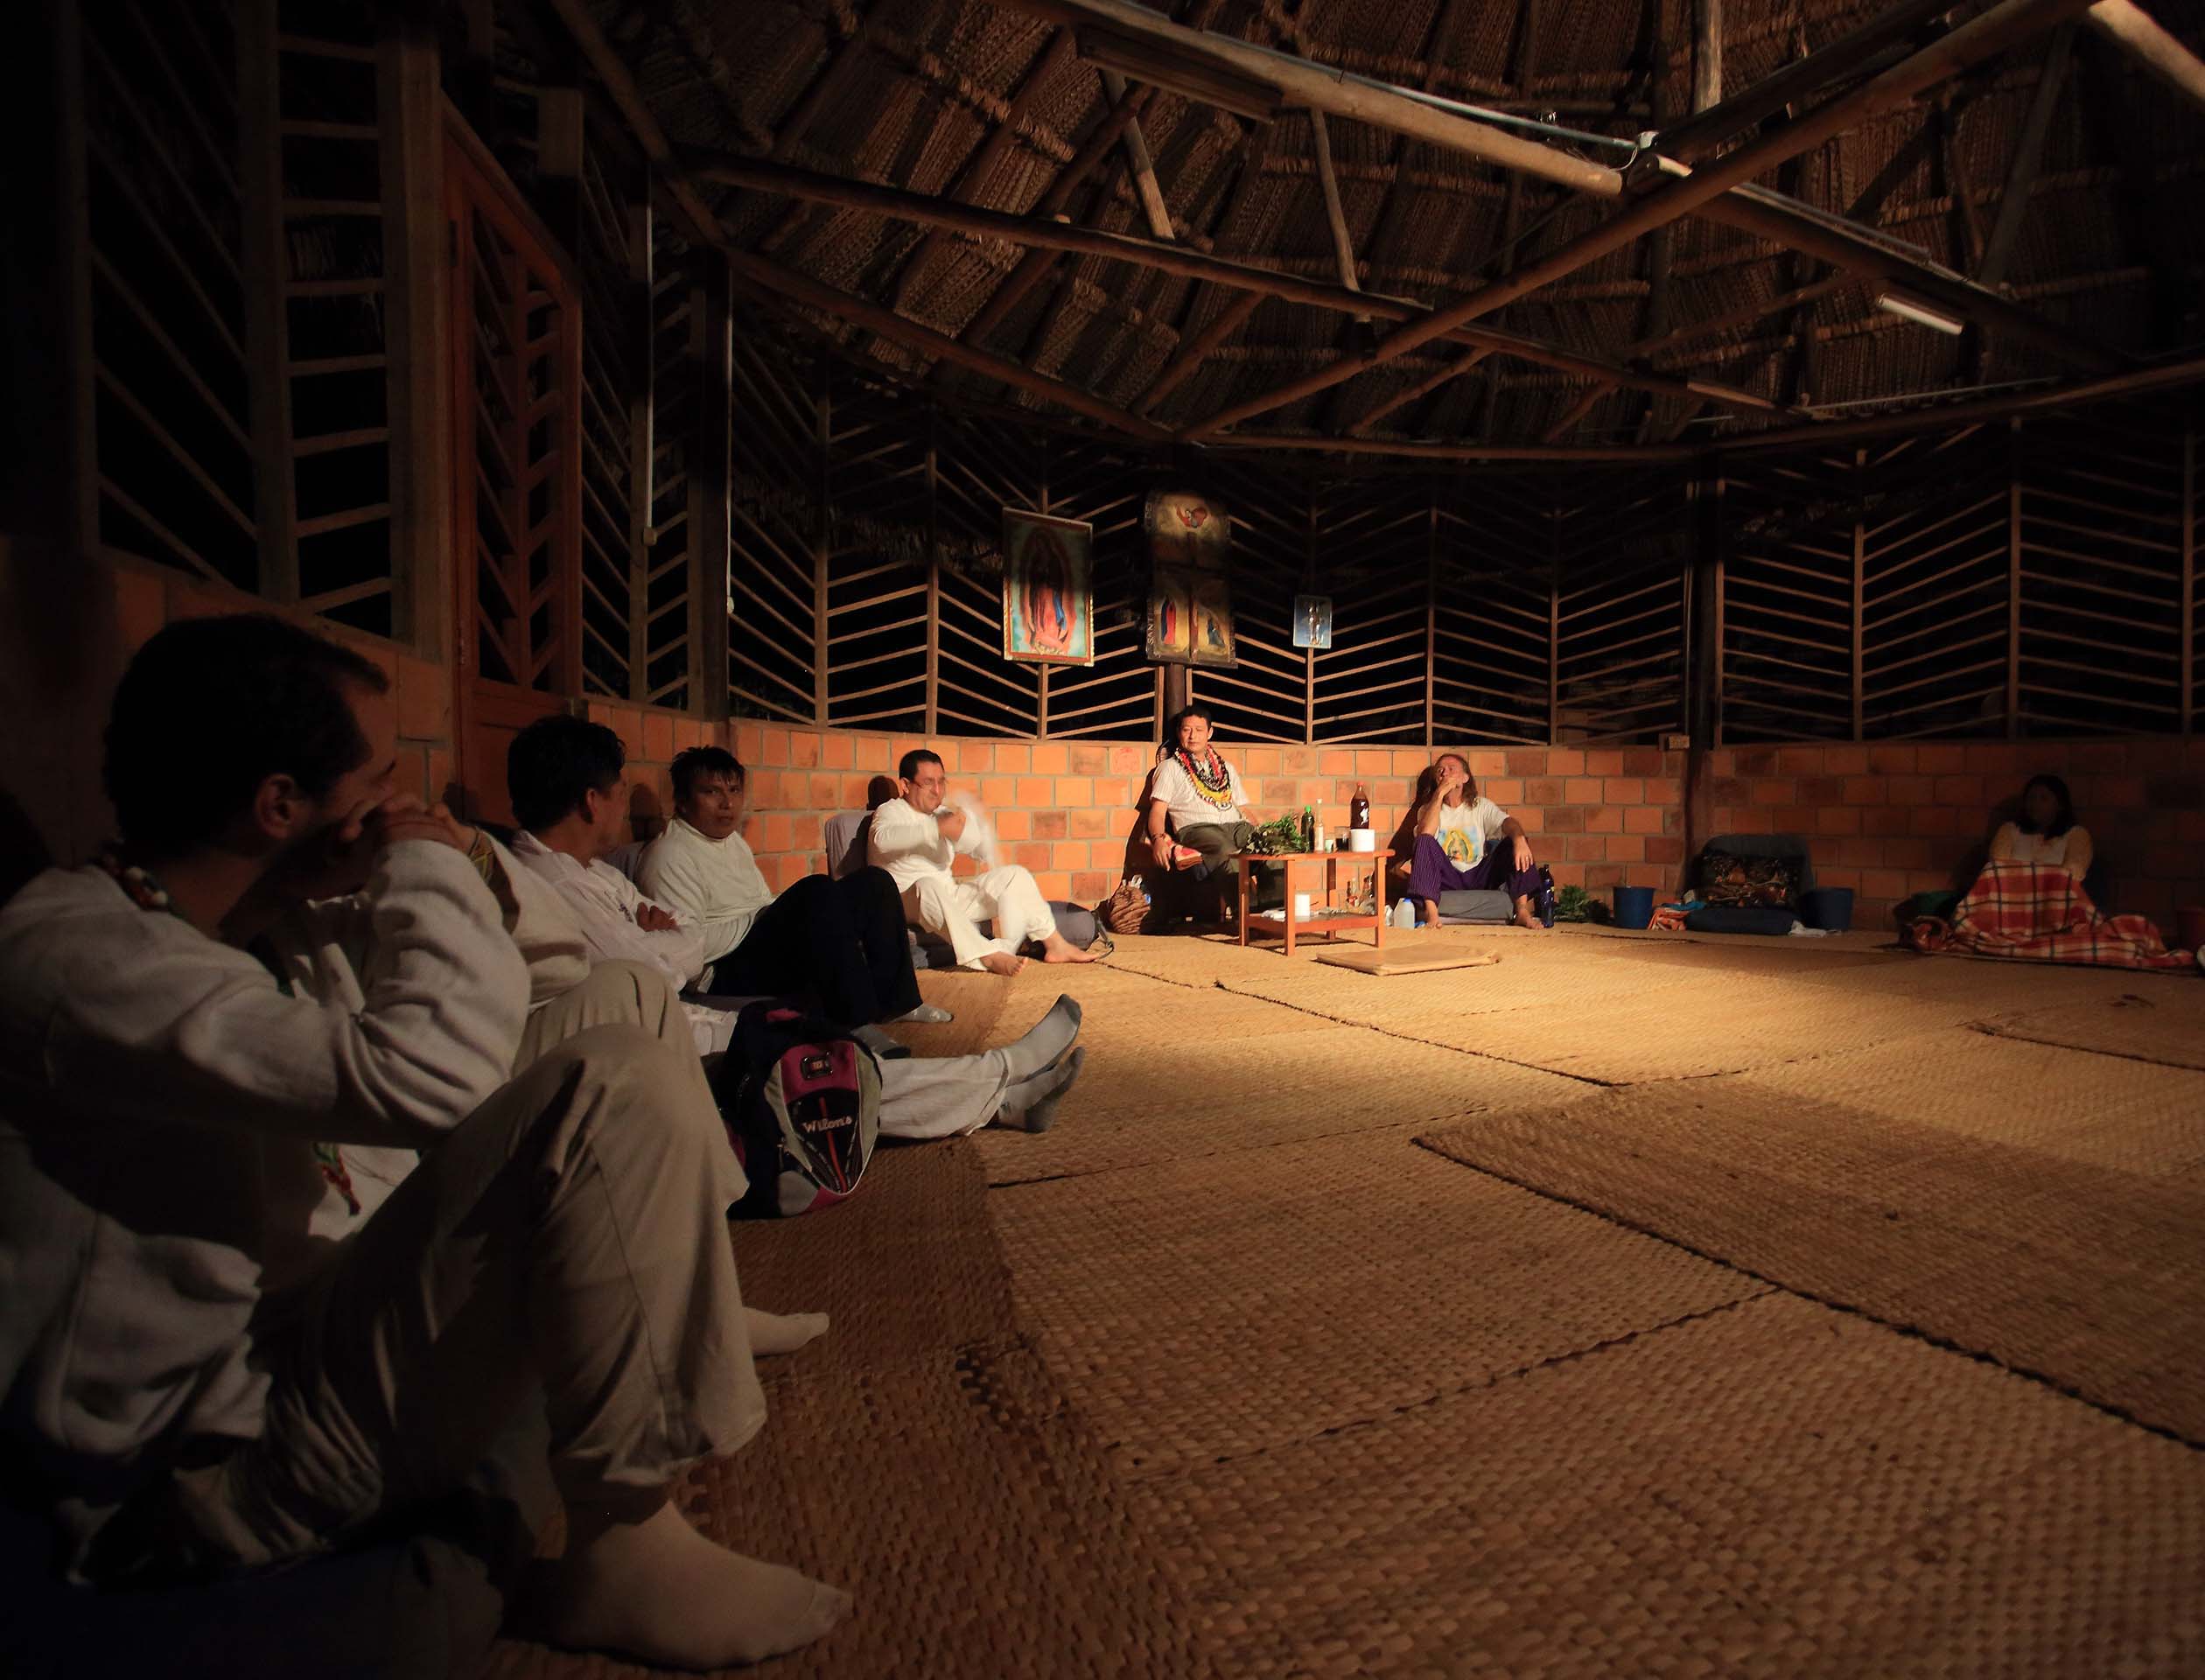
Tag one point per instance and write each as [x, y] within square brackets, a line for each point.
[1359, 810]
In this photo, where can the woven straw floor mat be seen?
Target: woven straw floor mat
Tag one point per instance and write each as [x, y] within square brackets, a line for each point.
[924, 1456]
[2093, 1277]
[1777, 1492]
[2130, 1117]
[1192, 1098]
[1209, 1308]
[2163, 1024]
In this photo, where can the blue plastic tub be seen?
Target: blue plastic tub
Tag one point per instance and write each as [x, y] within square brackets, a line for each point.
[1827, 908]
[1633, 905]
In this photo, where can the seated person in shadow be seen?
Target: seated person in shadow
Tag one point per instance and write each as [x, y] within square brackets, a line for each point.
[2045, 832]
[564, 776]
[839, 942]
[284, 960]
[1458, 840]
[1196, 806]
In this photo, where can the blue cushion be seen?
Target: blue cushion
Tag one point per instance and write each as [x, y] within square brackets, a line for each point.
[1740, 918]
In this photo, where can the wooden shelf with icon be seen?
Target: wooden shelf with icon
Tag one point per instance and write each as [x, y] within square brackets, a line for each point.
[1334, 915]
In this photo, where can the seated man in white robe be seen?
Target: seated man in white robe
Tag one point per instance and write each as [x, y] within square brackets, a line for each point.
[915, 837]
[566, 776]
[840, 943]
[199, 1388]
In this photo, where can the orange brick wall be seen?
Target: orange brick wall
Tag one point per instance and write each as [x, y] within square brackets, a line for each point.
[1891, 821]
[1063, 809]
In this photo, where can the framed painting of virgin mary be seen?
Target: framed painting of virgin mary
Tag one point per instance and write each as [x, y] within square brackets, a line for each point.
[1048, 589]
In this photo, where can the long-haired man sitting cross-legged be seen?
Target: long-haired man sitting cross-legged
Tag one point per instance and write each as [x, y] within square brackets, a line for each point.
[282, 961]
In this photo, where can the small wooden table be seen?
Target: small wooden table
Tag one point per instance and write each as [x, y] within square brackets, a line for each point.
[1328, 924]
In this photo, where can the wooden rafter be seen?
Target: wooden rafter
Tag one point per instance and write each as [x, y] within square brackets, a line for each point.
[1993, 32]
[2028, 156]
[1311, 88]
[1140, 163]
[1422, 387]
[1179, 259]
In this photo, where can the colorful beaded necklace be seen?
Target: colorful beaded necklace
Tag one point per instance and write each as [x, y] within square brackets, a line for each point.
[1213, 781]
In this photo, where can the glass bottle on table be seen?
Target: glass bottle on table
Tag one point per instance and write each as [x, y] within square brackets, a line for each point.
[1359, 809]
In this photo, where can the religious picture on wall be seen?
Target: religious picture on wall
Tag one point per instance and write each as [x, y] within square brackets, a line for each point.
[1170, 616]
[1048, 595]
[1185, 529]
[1312, 621]
[1212, 621]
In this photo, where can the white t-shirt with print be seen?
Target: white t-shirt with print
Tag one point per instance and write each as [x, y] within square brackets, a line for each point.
[1466, 831]
[1183, 800]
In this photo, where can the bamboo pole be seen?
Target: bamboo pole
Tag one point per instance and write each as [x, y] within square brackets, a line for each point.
[2028, 156]
[2142, 35]
[1991, 32]
[1140, 163]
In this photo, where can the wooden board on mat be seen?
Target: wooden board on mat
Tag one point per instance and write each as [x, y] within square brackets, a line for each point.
[1364, 960]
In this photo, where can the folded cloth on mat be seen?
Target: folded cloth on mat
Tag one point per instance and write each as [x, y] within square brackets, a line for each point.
[2041, 912]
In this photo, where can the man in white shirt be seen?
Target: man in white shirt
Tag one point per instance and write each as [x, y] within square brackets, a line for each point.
[567, 779]
[1465, 842]
[564, 776]
[914, 836]
[171, 1105]
[841, 942]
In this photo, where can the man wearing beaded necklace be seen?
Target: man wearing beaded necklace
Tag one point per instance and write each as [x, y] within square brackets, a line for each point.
[1196, 796]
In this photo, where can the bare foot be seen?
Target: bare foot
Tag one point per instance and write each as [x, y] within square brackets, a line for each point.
[659, 1590]
[1002, 963]
[1057, 948]
[782, 1332]
[1430, 917]
[1524, 915]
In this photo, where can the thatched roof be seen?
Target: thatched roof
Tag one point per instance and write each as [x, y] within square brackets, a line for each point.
[986, 105]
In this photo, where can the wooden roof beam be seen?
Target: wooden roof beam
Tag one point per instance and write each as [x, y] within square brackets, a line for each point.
[1209, 57]
[2003, 26]
[1035, 232]
[1140, 163]
[2158, 50]
[1424, 387]
[2028, 156]
[1197, 349]
[1335, 216]
[1883, 40]
[876, 318]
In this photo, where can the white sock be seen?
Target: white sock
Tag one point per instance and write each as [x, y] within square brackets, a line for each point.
[930, 1012]
[1032, 1106]
[782, 1332]
[659, 1591]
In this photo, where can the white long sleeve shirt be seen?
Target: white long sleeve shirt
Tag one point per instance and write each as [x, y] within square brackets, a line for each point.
[160, 1096]
[604, 902]
[908, 844]
[713, 885]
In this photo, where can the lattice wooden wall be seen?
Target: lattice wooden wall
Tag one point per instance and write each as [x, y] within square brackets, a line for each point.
[2032, 579]
[1497, 555]
[1619, 608]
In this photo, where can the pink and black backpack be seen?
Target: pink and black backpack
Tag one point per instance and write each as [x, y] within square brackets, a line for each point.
[801, 1102]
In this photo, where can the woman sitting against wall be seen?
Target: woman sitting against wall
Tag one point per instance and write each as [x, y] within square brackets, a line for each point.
[2045, 832]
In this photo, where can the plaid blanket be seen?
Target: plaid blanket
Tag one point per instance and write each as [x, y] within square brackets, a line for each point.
[2041, 912]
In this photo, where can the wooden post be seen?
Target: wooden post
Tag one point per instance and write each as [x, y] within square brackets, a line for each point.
[1707, 54]
[1859, 595]
[1042, 676]
[2013, 580]
[417, 258]
[1309, 654]
[823, 539]
[266, 263]
[711, 484]
[2188, 623]
[934, 571]
[1554, 627]
[642, 442]
[1702, 697]
[1432, 614]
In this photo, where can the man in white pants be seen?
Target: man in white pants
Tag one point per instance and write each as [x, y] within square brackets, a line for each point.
[914, 837]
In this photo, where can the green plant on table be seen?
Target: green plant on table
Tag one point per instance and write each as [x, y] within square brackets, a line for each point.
[1280, 834]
